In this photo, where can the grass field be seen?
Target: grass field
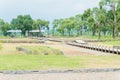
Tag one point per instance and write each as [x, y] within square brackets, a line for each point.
[109, 43]
[41, 62]
[11, 59]
[85, 37]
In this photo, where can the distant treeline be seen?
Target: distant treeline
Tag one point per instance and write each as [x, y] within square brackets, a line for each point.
[23, 23]
[101, 20]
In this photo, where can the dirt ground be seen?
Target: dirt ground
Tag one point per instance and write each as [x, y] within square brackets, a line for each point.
[63, 76]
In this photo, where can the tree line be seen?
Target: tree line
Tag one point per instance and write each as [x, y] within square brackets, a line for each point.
[23, 23]
[101, 20]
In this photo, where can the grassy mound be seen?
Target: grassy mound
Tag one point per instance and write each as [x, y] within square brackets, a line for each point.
[44, 50]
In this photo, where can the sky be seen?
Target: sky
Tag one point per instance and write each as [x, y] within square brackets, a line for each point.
[44, 9]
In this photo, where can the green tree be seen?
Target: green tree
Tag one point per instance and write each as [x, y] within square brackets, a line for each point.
[55, 24]
[79, 24]
[41, 24]
[24, 23]
[112, 4]
[4, 26]
[100, 19]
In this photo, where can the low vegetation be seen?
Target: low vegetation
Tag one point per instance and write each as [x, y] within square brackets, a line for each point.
[43, 50]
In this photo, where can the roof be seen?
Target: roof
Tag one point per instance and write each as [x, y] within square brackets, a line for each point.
[37, 31]
[29, 31]
[14, 31]
[34, 31]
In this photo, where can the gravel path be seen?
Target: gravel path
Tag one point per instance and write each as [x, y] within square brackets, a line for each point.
[63, 76]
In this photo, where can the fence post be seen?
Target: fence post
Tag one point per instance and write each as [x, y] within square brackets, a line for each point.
[109, 50]
[117, 50]
[113, 50]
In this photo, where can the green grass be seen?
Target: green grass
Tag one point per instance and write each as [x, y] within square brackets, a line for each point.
[109, 43]
[32, 62]
[42, 62]
[86, 37]
[96, 37]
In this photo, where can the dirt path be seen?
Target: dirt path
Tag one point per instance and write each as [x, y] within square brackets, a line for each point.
[63, 76]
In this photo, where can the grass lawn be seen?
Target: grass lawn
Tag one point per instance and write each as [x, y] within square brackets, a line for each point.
[10, 59]
[109, 43]
[41, 62]
[86, 37]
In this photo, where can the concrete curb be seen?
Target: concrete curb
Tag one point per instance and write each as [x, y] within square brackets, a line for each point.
[59, 71]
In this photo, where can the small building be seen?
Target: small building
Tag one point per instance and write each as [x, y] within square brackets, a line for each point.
[36, 33]
[14, 33]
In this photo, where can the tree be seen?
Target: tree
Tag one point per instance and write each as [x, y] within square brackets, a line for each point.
[92, 24]
[41, 24]
[68, 24]
[24, 23]
[79, 24]
[27, 23]
[118, 16]
[47, 26]
[100, 18]
[112, 4]
[55, 24]
[61, 26]
[4, 26]
[84, 17]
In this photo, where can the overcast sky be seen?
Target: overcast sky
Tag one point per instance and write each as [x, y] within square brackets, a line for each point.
[44, 9]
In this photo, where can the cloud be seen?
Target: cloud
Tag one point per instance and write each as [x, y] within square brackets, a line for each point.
[46, 9]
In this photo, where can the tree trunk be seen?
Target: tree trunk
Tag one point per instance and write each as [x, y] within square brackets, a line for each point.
[53, 32]
[80, 30]
[69, 34]
[48, 32]
[63, 33]
[99, 35]
[99, 31]
[115, 27]
[23, 33]
[93, 32]
[115, 22]
[78, 33]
